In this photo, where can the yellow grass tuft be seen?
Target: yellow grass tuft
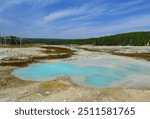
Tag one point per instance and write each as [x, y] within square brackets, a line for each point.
[54, 85]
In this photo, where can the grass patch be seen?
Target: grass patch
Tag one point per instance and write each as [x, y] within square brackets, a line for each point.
[54, 86]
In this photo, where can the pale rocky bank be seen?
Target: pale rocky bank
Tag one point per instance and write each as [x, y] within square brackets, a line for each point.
[62, 89]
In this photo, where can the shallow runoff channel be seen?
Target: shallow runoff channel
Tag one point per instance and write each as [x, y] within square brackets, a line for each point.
[92, 69]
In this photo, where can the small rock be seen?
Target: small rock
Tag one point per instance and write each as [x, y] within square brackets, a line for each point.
[47, 93]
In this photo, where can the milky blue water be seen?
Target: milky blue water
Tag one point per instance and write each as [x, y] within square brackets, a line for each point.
[98, 73]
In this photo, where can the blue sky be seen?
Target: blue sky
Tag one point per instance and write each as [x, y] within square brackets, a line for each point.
[73, 18]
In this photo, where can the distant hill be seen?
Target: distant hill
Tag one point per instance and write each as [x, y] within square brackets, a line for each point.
[132, 38]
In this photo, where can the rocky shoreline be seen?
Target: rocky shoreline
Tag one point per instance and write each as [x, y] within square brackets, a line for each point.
[138, 52]
[28, 55]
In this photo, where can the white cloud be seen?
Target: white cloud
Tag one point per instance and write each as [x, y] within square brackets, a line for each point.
[87, 30]
[76, 13]
[66, 13]
[130, 3]
[79, 20]
[129, 24]
[127, 7]
[60, 14]
[90, 11]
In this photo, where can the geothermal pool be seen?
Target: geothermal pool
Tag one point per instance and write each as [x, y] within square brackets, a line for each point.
[93, 70]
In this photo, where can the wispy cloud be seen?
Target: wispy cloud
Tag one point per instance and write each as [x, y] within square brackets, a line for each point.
[73, 18]
[42, 3]
[80, 30]
[89, 11]
[127, 7]
[9, 3]
[66, 13]
[35, 3]
[60, 14]
[129, 24]
[75, 13]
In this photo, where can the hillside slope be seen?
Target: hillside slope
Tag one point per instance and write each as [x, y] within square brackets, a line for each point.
[133, 39]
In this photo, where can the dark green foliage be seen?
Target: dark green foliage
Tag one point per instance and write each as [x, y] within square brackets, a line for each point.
[133, 39]
[9, 40]
[58, 42]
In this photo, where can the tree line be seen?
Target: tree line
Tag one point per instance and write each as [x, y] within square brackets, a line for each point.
[9, 40]
[132, 38]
